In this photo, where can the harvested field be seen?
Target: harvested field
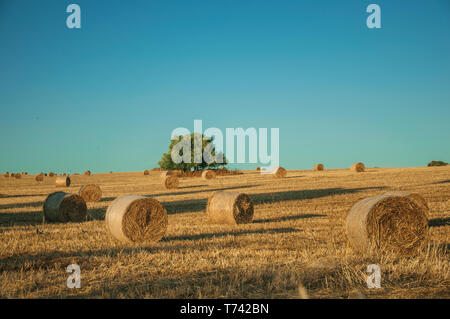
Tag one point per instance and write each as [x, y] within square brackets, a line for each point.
[296, 244]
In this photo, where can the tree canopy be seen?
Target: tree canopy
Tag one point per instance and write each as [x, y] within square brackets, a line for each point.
[189, 157]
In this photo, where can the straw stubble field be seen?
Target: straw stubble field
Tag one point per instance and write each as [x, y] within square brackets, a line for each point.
[295, 247]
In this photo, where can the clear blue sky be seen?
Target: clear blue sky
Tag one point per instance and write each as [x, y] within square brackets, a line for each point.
[107, 97]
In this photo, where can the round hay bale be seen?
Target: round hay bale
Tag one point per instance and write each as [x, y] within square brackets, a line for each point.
[208, 174]
[51, 174]
[133, 218]
[318, 167]
[87, 173]
[146, 172]
[164, 174]
[279, 172]
[230, 208]
[39, 178]
[391, 222]
[62, 181]
[13, 175]
[18, 175]
[358, 167]
[64, 207]
[168, 173]
[415, 197]
[90, 193]
[170, 182]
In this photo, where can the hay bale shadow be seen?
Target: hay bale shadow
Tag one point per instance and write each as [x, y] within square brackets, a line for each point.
[282, 230]
[286, 218]
[437, 222]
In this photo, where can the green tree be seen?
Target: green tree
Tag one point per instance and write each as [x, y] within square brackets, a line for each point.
[187, 143]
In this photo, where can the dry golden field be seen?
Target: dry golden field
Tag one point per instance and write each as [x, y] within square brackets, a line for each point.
[296, 247]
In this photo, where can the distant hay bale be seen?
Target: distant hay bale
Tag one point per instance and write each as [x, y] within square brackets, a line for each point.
[230, 208]
[170, 182]
[358, 167]
[87, 173]
[164, 174]
[90, 192]
[133, 218]
[51, 174]
[64, 207]
[318, 167]
[146, 172]
[208, 174]
[394, 222]
[39, 178]
[279, 172]
[169, 173]
[62, 181]
[13, 175]
[18, 175]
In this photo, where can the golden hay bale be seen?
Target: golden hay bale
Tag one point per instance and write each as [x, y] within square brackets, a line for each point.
[230, 208]
[169, 173]
[133, 218]
[146, 172]
[39, 178]
[87, 173]
[318, 167]
[208, 174]
[170, 182]
[164, 174]
[62, 181]
[51, 174]
[90, 192]
[279, 172]
[64, 207]
[357, 167]
[393, 222]
[415, 197]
